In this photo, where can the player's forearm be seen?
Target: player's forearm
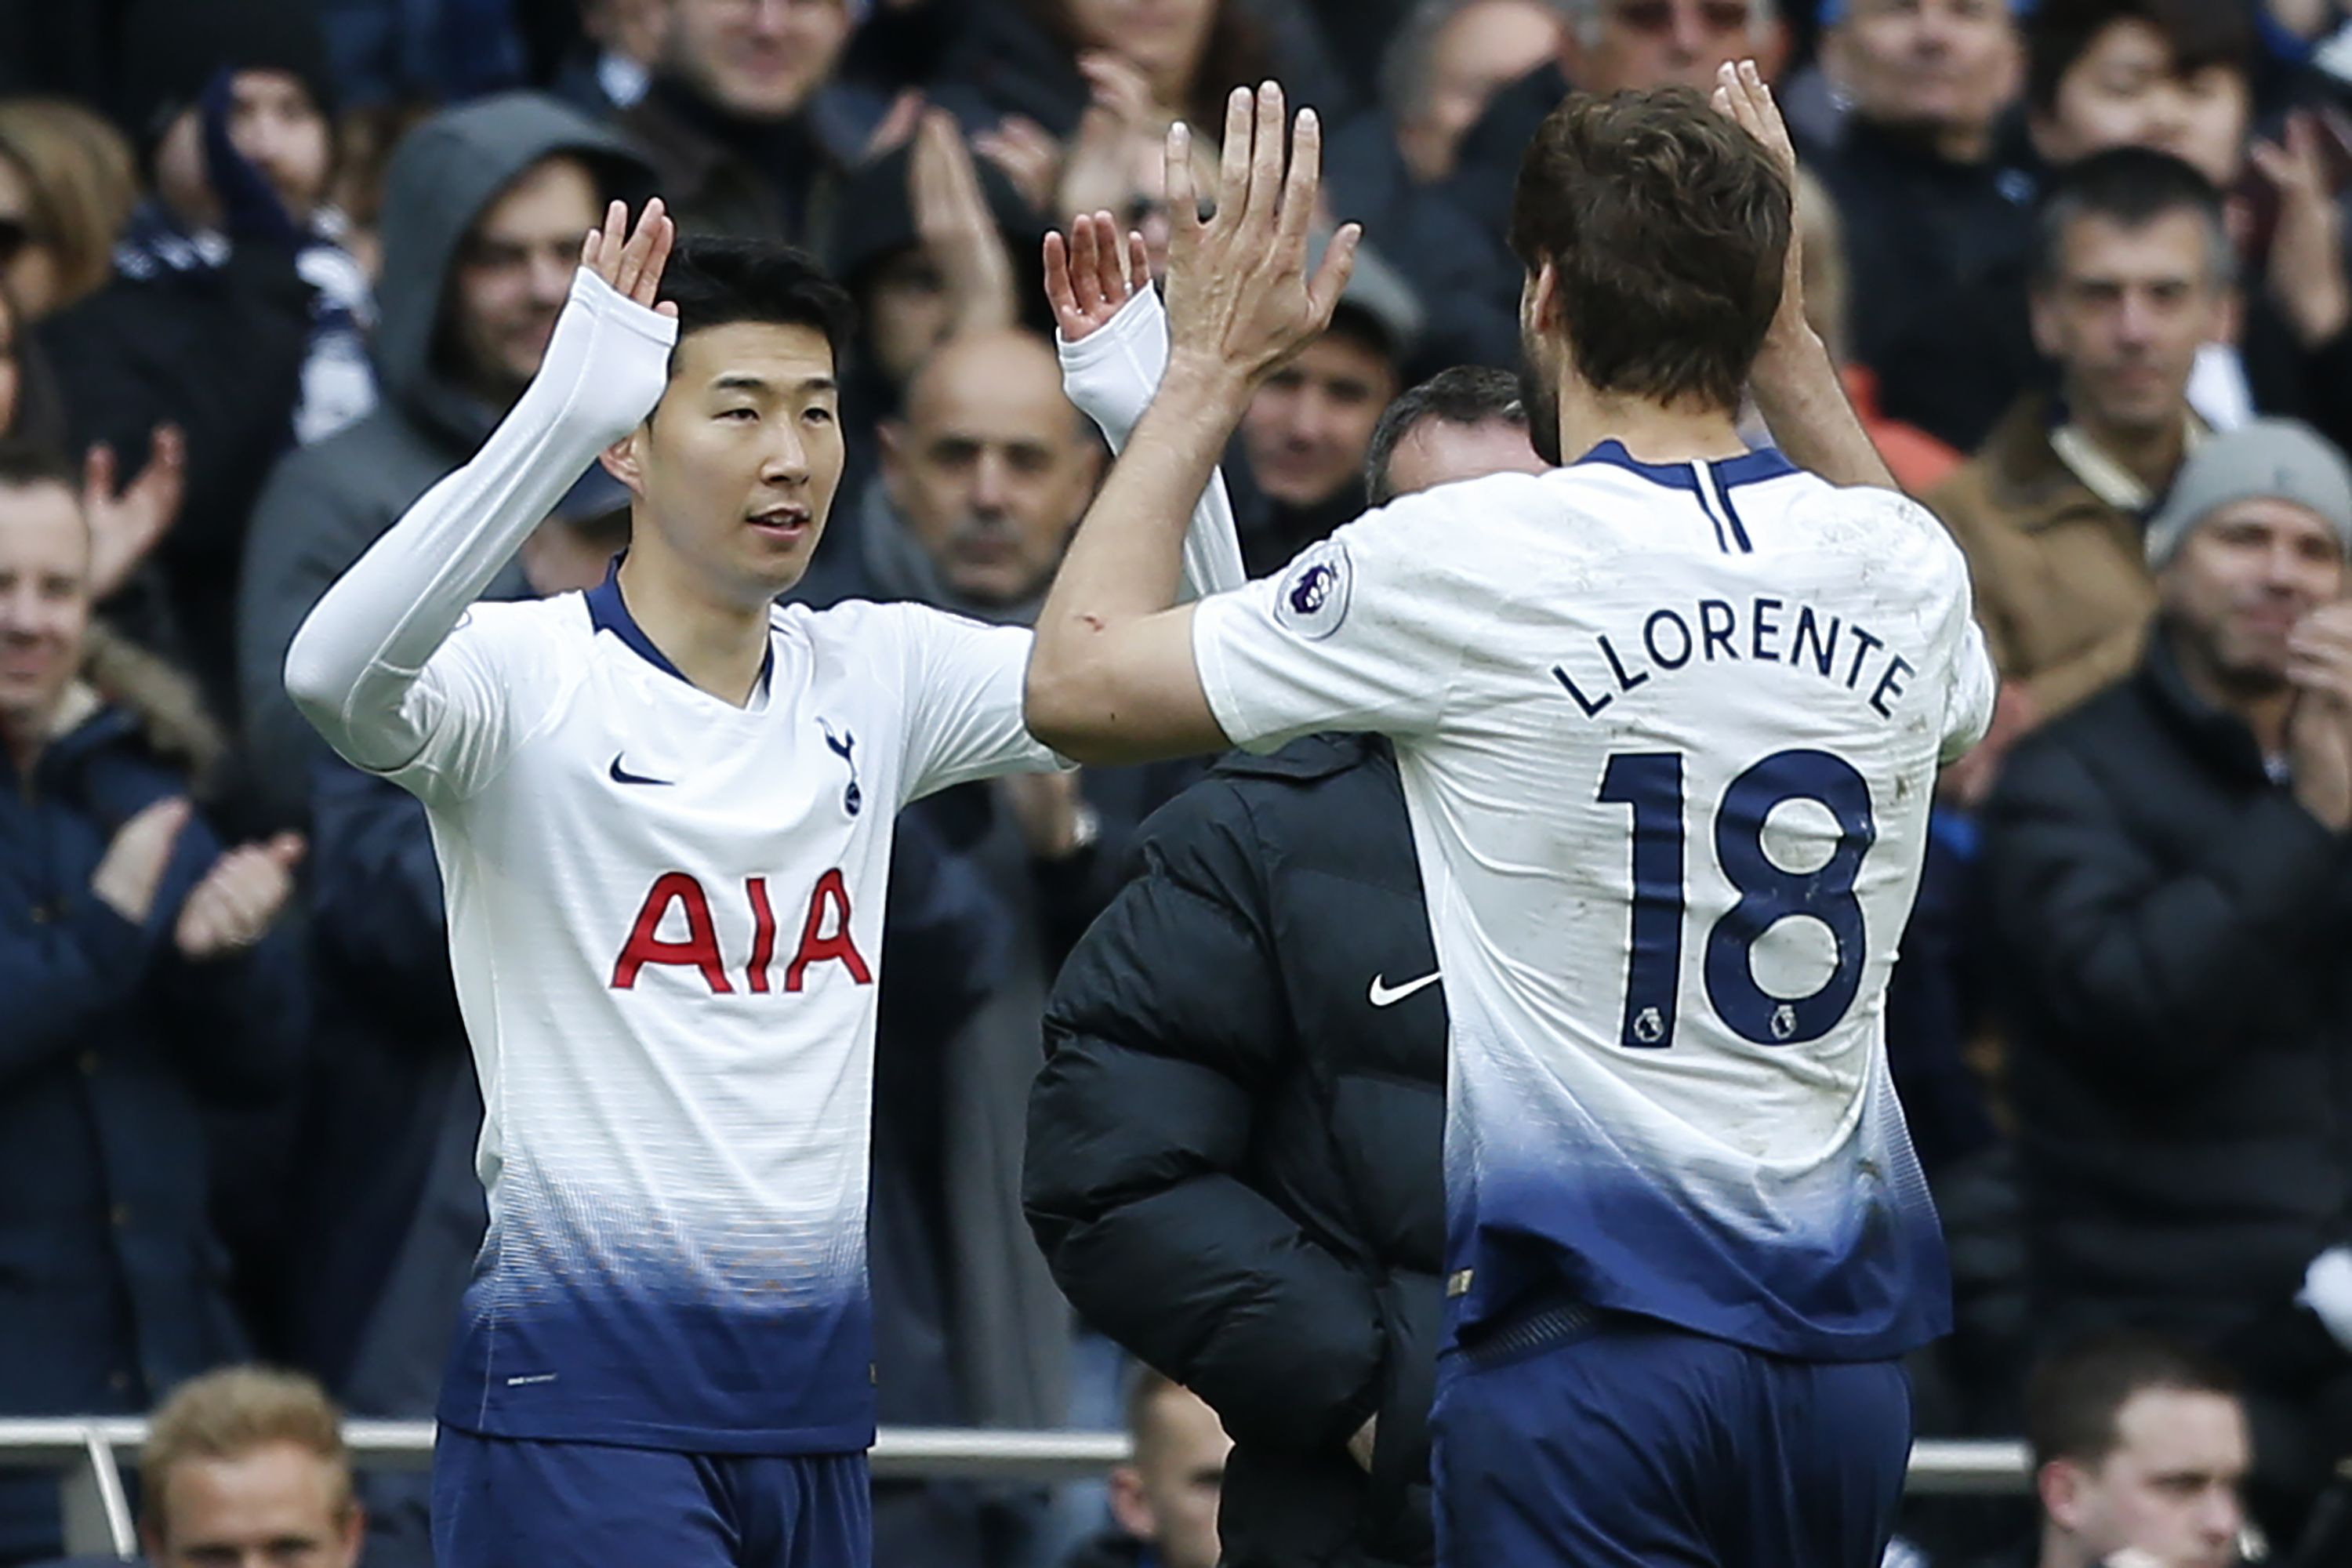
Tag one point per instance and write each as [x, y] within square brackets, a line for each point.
[1122, 564]
[360, 648]
[1804, 402]
[1110, 376]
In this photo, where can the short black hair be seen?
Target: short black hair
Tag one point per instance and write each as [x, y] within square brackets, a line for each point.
[2130, 186]
[2200, 32]
[1464, 394]
[26, 464]
[716, 282]
[2074, 1395]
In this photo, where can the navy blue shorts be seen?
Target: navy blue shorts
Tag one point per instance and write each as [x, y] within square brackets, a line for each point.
[1575, 1439]
[500, 1503]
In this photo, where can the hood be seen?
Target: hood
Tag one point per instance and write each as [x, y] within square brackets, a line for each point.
[443, 175]
[898, 568]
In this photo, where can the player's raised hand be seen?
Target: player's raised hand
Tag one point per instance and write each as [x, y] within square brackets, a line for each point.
[633, 262]
[1090, 277]
[1741, 92]
[1239, 299]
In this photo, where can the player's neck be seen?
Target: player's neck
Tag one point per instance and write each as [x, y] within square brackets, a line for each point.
[1649, 431]
[716, 643]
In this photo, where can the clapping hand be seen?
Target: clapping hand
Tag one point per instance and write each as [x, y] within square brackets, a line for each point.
[239, 899]
[1239, 299]
[2320, 729]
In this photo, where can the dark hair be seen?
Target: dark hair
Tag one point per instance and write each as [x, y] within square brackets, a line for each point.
[25, 464]
[2200, 32]
[717, 282]
[2131, 187]
[2074, 1395]
[1666, 227]
[1464, 394]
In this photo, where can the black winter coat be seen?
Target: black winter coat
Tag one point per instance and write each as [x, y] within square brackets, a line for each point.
[2172, 928]
[1233, 1158]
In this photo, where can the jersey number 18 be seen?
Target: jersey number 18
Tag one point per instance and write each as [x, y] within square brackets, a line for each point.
[1650, 783]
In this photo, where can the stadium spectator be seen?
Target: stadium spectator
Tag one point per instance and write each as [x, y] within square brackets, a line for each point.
[2175, 74]
[1272, 1231]
[234, 315]
[1304, 439]
[1445, 65]
[1050, 62]
[2139, 1446]
[484, 211]
[143, 987]
[930, 244]
[431, 51]
[1453, 250]
[1388, 166]
[2132, 276]
[30, 411]
[1165, 1501]
[738, 125]
[67, 188]
[1929, 204]
[244, 1466]
[621, 43]
[2168, 902]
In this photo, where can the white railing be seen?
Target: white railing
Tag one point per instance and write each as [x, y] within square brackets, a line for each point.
[89, 1454]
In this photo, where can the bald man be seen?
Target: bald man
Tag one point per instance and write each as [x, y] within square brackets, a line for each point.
[983, 477]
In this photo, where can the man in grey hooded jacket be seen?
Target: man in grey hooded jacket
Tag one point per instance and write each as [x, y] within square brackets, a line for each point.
[484, 210]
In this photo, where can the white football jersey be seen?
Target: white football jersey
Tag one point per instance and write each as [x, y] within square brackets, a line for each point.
[1669, 735]
[665, 917]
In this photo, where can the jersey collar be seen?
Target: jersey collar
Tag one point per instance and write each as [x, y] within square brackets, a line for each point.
[1764, 463]
[609, 612]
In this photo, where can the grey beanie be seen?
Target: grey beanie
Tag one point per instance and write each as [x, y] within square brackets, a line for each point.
[2268, 459]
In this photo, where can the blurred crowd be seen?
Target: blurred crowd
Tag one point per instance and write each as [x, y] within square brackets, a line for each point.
[269, 268]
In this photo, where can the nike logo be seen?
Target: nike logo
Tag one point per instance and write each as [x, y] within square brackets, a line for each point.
[623, 776]
[1384, 996]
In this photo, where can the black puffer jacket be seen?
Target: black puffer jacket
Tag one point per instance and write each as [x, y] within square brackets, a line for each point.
[2172, 928]
[1233, 1158]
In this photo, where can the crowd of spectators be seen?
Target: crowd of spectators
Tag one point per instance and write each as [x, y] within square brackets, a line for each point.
[269, 268]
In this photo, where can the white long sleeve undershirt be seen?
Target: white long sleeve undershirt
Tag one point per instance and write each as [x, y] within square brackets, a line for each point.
[1112, 374]
[354, 666]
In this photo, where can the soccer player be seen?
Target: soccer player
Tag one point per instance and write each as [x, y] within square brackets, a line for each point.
[1668, 720]
[663, 810]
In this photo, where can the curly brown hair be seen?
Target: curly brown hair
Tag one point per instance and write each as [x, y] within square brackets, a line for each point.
[1665, 227]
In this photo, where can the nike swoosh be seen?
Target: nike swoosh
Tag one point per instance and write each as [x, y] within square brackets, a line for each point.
[1383, 996]
[623, 776]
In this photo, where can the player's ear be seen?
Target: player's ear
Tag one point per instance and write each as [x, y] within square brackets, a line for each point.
[1543, 302]
[624, 460]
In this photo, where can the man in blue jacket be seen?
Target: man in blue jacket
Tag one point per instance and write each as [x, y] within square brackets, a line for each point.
[140, 989]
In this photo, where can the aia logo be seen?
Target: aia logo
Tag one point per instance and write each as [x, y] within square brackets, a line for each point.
[824, 936]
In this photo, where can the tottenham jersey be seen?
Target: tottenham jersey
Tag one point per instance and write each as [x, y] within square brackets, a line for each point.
[666, 921]
[1668, 737]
